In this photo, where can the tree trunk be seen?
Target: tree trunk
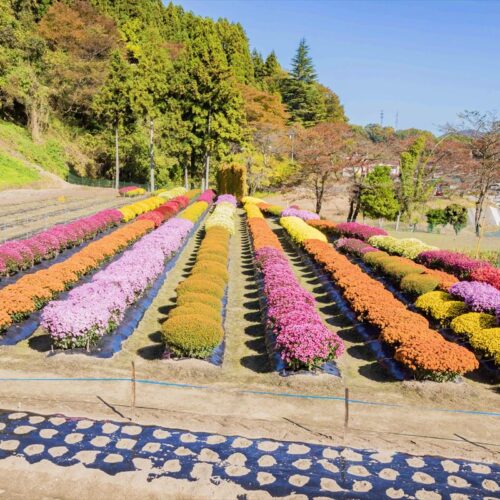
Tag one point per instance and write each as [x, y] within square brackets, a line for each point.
[34, 122]
[186, 181]
[478, 214]
[351, 209]
[207, 170]
[397, 220]
[151, 157]
[117, 161]
[356, 210]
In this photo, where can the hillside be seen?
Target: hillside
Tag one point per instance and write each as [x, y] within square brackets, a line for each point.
[75, 74]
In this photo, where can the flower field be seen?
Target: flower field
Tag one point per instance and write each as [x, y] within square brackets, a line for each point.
[435, 314]
[301, 338]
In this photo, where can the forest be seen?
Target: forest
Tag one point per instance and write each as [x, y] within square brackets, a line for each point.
[170, 97]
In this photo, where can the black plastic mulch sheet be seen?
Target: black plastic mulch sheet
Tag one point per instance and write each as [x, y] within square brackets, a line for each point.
[278, 468]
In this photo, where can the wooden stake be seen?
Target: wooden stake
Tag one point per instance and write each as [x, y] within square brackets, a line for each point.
[133, 386]
[346, 416]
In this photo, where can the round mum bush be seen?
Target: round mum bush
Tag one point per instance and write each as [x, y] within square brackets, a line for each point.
[376, 259]
[193, 299]
[441, 306]
[194, 335]
[200, 285]
[209, 268]
[397, 270]
[416, 284]
[199, 309]
[253, 211]
[208, 256]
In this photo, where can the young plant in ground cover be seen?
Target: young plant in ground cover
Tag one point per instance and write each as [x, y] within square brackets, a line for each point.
[301, 337]
[194, 327]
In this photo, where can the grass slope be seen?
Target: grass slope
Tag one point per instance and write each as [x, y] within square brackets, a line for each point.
[49, 154]
[14, 173]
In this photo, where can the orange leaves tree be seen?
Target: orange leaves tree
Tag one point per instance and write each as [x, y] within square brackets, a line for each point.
[479, 167]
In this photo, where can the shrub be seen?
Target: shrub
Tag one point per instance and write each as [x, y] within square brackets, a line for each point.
[326, 226]
[200, 285]
[198, 309]
[273, 210]
[441, 306]
[194, 298]
[211, 269]
[377, 259]
[354, 246]
[232, 179]
[300, 231]
[262, 235]
[435, 217]
[192, 335]
[456, 215]
[357, 230]
[194, 211]
[421, 349]
[478, 296]
[210, 256]
[416, 284]
[454, 262]
[222, 217]
[407, 247]
[253, 211]
[487, 274]
[305, 215]
[470, 323]
[397, 268]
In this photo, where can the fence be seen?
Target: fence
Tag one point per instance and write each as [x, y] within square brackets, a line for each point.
[106, 183]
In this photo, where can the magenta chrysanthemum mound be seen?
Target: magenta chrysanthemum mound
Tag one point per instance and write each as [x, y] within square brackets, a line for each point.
[302, 214]
[207, 196]
[301, 336]
[480, 297]
[18, 255]
[94, 309]
[357, 230]
[354, 246]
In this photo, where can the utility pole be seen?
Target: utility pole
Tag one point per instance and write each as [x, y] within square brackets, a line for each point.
[382, 118]
[151, 156]
[117, 160]
[396, 124]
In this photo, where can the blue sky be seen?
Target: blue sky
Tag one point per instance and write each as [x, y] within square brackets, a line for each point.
[425, 60]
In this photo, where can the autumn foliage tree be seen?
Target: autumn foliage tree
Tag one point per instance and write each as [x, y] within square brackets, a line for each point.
[479, 169]
[322, 152]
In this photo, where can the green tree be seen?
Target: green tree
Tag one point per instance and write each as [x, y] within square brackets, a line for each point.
[302, 65]
[258, 66]
[237, 50]
[113, 103]
[435, 218]
[212, 104]
[415, 181]
[456, 215]
[378, 197]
